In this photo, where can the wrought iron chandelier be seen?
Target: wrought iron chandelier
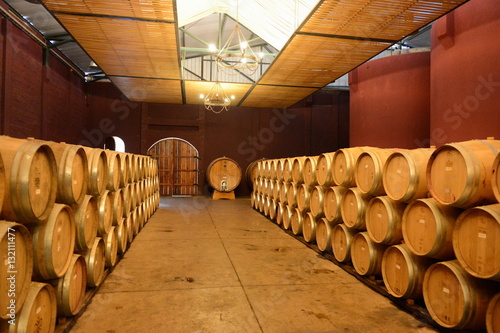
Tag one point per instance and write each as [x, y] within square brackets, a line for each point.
[216, 100]
[236, 56]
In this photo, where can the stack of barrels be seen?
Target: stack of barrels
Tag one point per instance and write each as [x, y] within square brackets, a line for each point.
[67, 214]
[425, 222]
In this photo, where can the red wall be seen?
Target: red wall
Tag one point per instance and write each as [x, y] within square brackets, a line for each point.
[465, 74]
[317, 124]
[36, 101]
[390, 101]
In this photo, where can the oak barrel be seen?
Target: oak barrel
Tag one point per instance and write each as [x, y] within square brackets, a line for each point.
[404, 174]
[493, 315]
[495, 179]
[324, 235]
[273, 208]
[291, 194]
[53, 243]
[297, 169]
[309, 171]
[95, 259]
[454, 298]
[303, 197]
[104, 212]
[341, 242]
[223, 174]
[118, 206]
[38, 313]
[368, 169]
[309, 228]
[280, 211]
[98, 171]
[251, 172]
[460, 174]
[287, 169]
[111, 243]
[122, 236]
[403, 272]
[16, 255]
[476, 241]
[87, 223]
[70, 289]
[287, 216]
[384, 218]
[353, 208]
[30, 180]
[428, 228]
[366, 255]
[124, 169]
[324, 169]
[297, 221]
[72, 172]
[343, 165]
[114, 170]
[316, 201]
[332, 202]
[284, 192]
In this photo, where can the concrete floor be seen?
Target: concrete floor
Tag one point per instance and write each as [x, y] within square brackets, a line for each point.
[201, 265]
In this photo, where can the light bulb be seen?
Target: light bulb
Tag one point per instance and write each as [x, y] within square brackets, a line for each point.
[212, 48]
[232, 97]
[243, 45]
[202, 96]
[244, 60]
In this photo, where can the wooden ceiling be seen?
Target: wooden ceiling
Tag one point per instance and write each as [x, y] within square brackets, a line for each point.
[135, 43]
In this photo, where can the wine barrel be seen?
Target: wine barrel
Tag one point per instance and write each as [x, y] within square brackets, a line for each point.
[17, 262]
[276, 189]
[493, 315]
[495, 180]
[341, 242]
[297, 221]
[366, 255]
[368, 170]
[353, 208]
[30, 173]
[403, 272]
[70, 289]
[316, 205]
[72, 172]
[87, 223]
[39, 312]
[95, 259]
[309, 171]
[324, 235]
[459, 174]
[428, 228]
[127, 199]
[253, 196]
[309, 228]
[122, 236]
[332, 202]
[287, 169]
[104, 212]
[118, 206]
[98, 171]
[456, 299]
[266, 204]
[114, 170]
[303, 197]
[279, 169]
[343, 165]
[291, 194]
[273, 209]
[223, 174]
[324, 168]
[287, 217]
[53, 243]
[384, 218]
[297, 169]
[284, 192]
[273, 173]
[404, 174]
[280, 212]
[124, 169]
[111, 247]
[476, 241]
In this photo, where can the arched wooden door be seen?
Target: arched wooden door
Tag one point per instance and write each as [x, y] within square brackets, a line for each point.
[177, 166]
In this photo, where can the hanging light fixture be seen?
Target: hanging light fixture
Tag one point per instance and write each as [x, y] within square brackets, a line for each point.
[216, 100]
[236, 56]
